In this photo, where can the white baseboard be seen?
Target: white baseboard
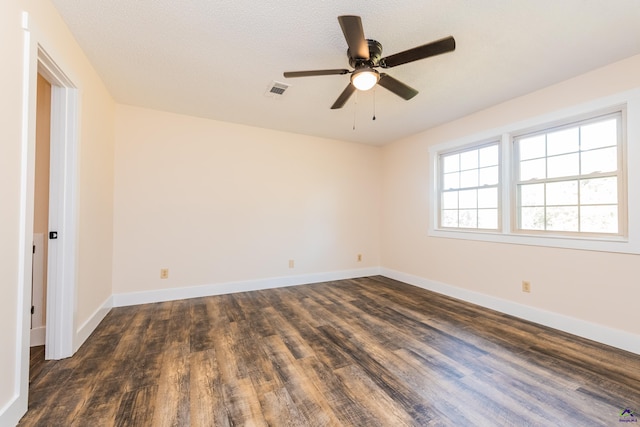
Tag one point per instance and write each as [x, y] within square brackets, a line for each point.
[38, 336]
[92, 323]
[160, 295]
[593, 331]
[13, 411]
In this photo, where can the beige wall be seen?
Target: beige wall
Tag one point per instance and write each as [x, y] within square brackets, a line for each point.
[95, 198]
[591, 286]
[95, 183]
[216, 202]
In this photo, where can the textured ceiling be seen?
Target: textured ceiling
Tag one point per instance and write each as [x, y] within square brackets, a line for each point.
[216, 59]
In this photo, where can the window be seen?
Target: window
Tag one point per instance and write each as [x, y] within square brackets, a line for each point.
[562, 180]
[567, 178]
[470, 182]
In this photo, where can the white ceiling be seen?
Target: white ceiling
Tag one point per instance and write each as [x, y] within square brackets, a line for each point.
[216, 58]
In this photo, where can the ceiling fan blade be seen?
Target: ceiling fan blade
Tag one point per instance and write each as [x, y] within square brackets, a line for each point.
[314, 73]
[447, 44]
[354, 34]
[344, 97]
[397, 87]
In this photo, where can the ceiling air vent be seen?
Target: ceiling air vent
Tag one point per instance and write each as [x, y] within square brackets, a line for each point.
[276, 89]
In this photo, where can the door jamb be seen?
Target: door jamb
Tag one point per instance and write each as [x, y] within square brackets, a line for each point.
[61, 301]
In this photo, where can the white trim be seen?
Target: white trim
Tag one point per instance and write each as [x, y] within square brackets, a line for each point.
[38, 336]
[87, 328]
[160, 295]
[582, 328]
[61, 274]
[11, 413]
[61, 305]
[631, 244]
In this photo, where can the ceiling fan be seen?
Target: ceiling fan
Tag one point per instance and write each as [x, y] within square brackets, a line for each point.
[365, 55]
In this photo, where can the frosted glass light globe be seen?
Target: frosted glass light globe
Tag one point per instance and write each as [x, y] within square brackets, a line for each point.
[365, 78]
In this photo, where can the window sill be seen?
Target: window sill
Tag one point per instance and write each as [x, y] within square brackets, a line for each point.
[601, 244]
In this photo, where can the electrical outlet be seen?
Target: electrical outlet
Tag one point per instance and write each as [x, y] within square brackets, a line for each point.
[526, 286]
[359, 257]
[291, 263]
[164, 273]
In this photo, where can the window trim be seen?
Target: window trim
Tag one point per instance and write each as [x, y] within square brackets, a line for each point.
[628, 102]
[619, 112]
[441, 190]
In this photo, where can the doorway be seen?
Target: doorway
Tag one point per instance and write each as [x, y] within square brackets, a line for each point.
[59, 309]
[41, 214]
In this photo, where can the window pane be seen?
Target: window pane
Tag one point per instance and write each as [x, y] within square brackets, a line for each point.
[532, 169]
[562, 193]
[450, 200]
[599, 191]
[601, 134]
[565, 165]
[451, 163]
[532, 218]
[488, 176]
[599, 219]
[469, 160]
[562, 218]
[532, 195]
[469, 178]
[468, 218]
[489, 156]
[602, 160]
[451, 180]
[564, 141]
[532, 148]
[468, 199]
[450, 218]
[488, 198]
[488, 218]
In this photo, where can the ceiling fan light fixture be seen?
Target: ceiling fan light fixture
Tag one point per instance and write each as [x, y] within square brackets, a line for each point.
[365, 78]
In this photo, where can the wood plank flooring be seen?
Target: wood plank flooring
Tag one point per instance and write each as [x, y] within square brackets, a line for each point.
[364, 352]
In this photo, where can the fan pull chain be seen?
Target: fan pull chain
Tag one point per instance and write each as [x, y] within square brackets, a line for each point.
[355, 109]
[374, 104]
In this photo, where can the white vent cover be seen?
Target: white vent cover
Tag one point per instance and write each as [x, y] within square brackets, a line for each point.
[276, 89]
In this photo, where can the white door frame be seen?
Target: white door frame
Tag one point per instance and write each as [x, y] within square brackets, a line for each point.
[61, 302]
[62, 254]
[61, 272]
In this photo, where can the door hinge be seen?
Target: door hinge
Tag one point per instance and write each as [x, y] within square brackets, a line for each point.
[53, 235]
[33, 309]
[34, 249]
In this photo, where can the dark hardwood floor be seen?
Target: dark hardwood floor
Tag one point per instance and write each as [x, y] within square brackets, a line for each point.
[362, 352]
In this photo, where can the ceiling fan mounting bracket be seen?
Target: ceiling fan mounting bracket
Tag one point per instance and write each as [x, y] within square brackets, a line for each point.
[375, 53]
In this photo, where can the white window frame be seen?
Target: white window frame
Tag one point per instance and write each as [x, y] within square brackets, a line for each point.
[441, 189]
[620, 114]
[627, 242]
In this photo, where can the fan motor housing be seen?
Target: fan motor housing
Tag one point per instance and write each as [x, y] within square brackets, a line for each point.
[375, 53]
